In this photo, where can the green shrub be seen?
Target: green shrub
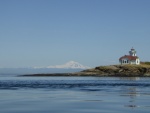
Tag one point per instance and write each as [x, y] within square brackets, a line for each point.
[147, 63]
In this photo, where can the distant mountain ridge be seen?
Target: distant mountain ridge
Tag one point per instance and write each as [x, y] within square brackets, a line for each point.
[68, 65]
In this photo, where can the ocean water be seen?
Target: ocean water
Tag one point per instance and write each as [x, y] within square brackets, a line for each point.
[74, 95]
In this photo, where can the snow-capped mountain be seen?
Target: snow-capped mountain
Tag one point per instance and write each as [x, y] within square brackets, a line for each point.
[70, 65]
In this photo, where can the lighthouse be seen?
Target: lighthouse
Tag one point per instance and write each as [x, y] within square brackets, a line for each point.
[132, 58]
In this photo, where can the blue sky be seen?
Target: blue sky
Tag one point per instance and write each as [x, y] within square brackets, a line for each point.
[92, 32]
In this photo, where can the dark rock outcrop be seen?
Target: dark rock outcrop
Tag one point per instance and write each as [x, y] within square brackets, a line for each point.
[119, 70]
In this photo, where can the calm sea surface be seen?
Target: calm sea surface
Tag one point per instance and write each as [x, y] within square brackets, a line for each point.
[74, 95]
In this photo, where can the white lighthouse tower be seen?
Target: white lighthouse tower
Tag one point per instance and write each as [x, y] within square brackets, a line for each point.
[132, 52]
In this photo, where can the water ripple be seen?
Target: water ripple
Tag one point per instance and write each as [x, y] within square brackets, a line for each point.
[12, 84]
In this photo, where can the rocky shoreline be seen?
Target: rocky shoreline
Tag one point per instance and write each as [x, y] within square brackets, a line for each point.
[108, 71]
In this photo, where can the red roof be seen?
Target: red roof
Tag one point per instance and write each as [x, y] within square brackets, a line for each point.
[128, 57]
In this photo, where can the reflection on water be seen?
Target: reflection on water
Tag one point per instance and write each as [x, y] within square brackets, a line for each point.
[74, 94]
[132, 93]
[129, 78]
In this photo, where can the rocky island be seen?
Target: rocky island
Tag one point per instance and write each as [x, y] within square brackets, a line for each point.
[119, 70]
[142, 70]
